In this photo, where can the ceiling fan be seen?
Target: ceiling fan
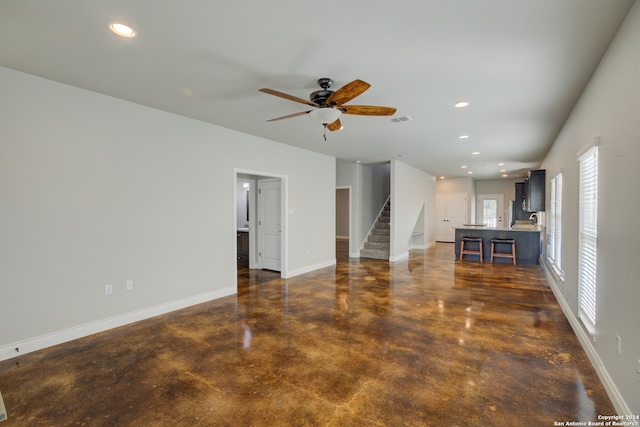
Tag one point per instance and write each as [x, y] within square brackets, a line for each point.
[330, 104]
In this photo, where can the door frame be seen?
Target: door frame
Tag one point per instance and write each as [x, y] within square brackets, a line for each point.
[284, 209]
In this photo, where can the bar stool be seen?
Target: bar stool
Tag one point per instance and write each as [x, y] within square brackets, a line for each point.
[464, 251]
[511, 254]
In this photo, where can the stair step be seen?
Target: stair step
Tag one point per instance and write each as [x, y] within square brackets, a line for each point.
[370, 253]
[379, 246]
[381, 238]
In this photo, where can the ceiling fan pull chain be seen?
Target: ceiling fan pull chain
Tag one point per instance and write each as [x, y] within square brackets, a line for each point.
[324, 133]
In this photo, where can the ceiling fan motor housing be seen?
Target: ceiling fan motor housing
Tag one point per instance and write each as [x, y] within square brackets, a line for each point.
[320, 96]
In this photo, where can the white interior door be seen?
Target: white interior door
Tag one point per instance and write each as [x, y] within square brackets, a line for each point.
[451, 212]
[456, 214]
[490, 210]
[269, 224]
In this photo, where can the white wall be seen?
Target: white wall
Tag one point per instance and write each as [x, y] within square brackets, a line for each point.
[412, 192]
[506, 186]
[97, 191]
[609, 108]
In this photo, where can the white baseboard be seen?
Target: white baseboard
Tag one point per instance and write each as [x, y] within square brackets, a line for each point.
[419, 247]
[585, 340]
[399, 257]
[59, 337]
[309, 268]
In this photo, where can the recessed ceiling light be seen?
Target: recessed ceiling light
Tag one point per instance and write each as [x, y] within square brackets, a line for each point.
[475, 153]
[503, 170]
[464, 166]
[461, 104]
[442, 177]
[122, 30]
[463, 137]
[505, 175]
[501, 164]
[470, 172]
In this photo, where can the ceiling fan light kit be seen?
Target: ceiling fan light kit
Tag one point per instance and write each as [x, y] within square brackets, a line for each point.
[325, 115]
[329, 104]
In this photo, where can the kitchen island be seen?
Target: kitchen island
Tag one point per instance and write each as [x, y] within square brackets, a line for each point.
[528, 242]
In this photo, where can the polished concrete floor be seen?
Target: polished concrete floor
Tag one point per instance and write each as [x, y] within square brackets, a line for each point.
[429, 341]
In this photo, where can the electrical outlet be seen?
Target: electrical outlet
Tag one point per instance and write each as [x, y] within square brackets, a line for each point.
[129, 285]
[619, 345]
[108, 289]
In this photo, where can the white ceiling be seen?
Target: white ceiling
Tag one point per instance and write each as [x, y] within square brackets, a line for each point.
[520, 63]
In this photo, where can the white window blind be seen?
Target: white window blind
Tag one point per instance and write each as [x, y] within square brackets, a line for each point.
[558, 223]
[552, 220]
[556, 219]
[588, 233]
[555, 225]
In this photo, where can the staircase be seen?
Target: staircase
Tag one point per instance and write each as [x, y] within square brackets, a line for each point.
[377, 244]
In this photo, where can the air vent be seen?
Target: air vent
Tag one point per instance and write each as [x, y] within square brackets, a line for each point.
[400, 119]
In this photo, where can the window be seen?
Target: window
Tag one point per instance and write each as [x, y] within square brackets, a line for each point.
[555, 226]
[587, 239]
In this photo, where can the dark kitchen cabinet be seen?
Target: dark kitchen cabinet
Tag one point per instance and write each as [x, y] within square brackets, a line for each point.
[534, 191]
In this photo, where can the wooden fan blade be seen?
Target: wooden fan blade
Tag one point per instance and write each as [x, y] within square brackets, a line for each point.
[347, 92]
[335, 125]
[287, 96]
[288, 116]
[367, 110]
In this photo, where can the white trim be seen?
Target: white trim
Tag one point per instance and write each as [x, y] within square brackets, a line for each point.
[310, 268]
[65, 335]
[585, 340]
[584, 150]
[399, 257]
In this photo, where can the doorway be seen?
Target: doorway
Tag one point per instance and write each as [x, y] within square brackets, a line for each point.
[490, 210]
[260, 211]
[343, 222]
